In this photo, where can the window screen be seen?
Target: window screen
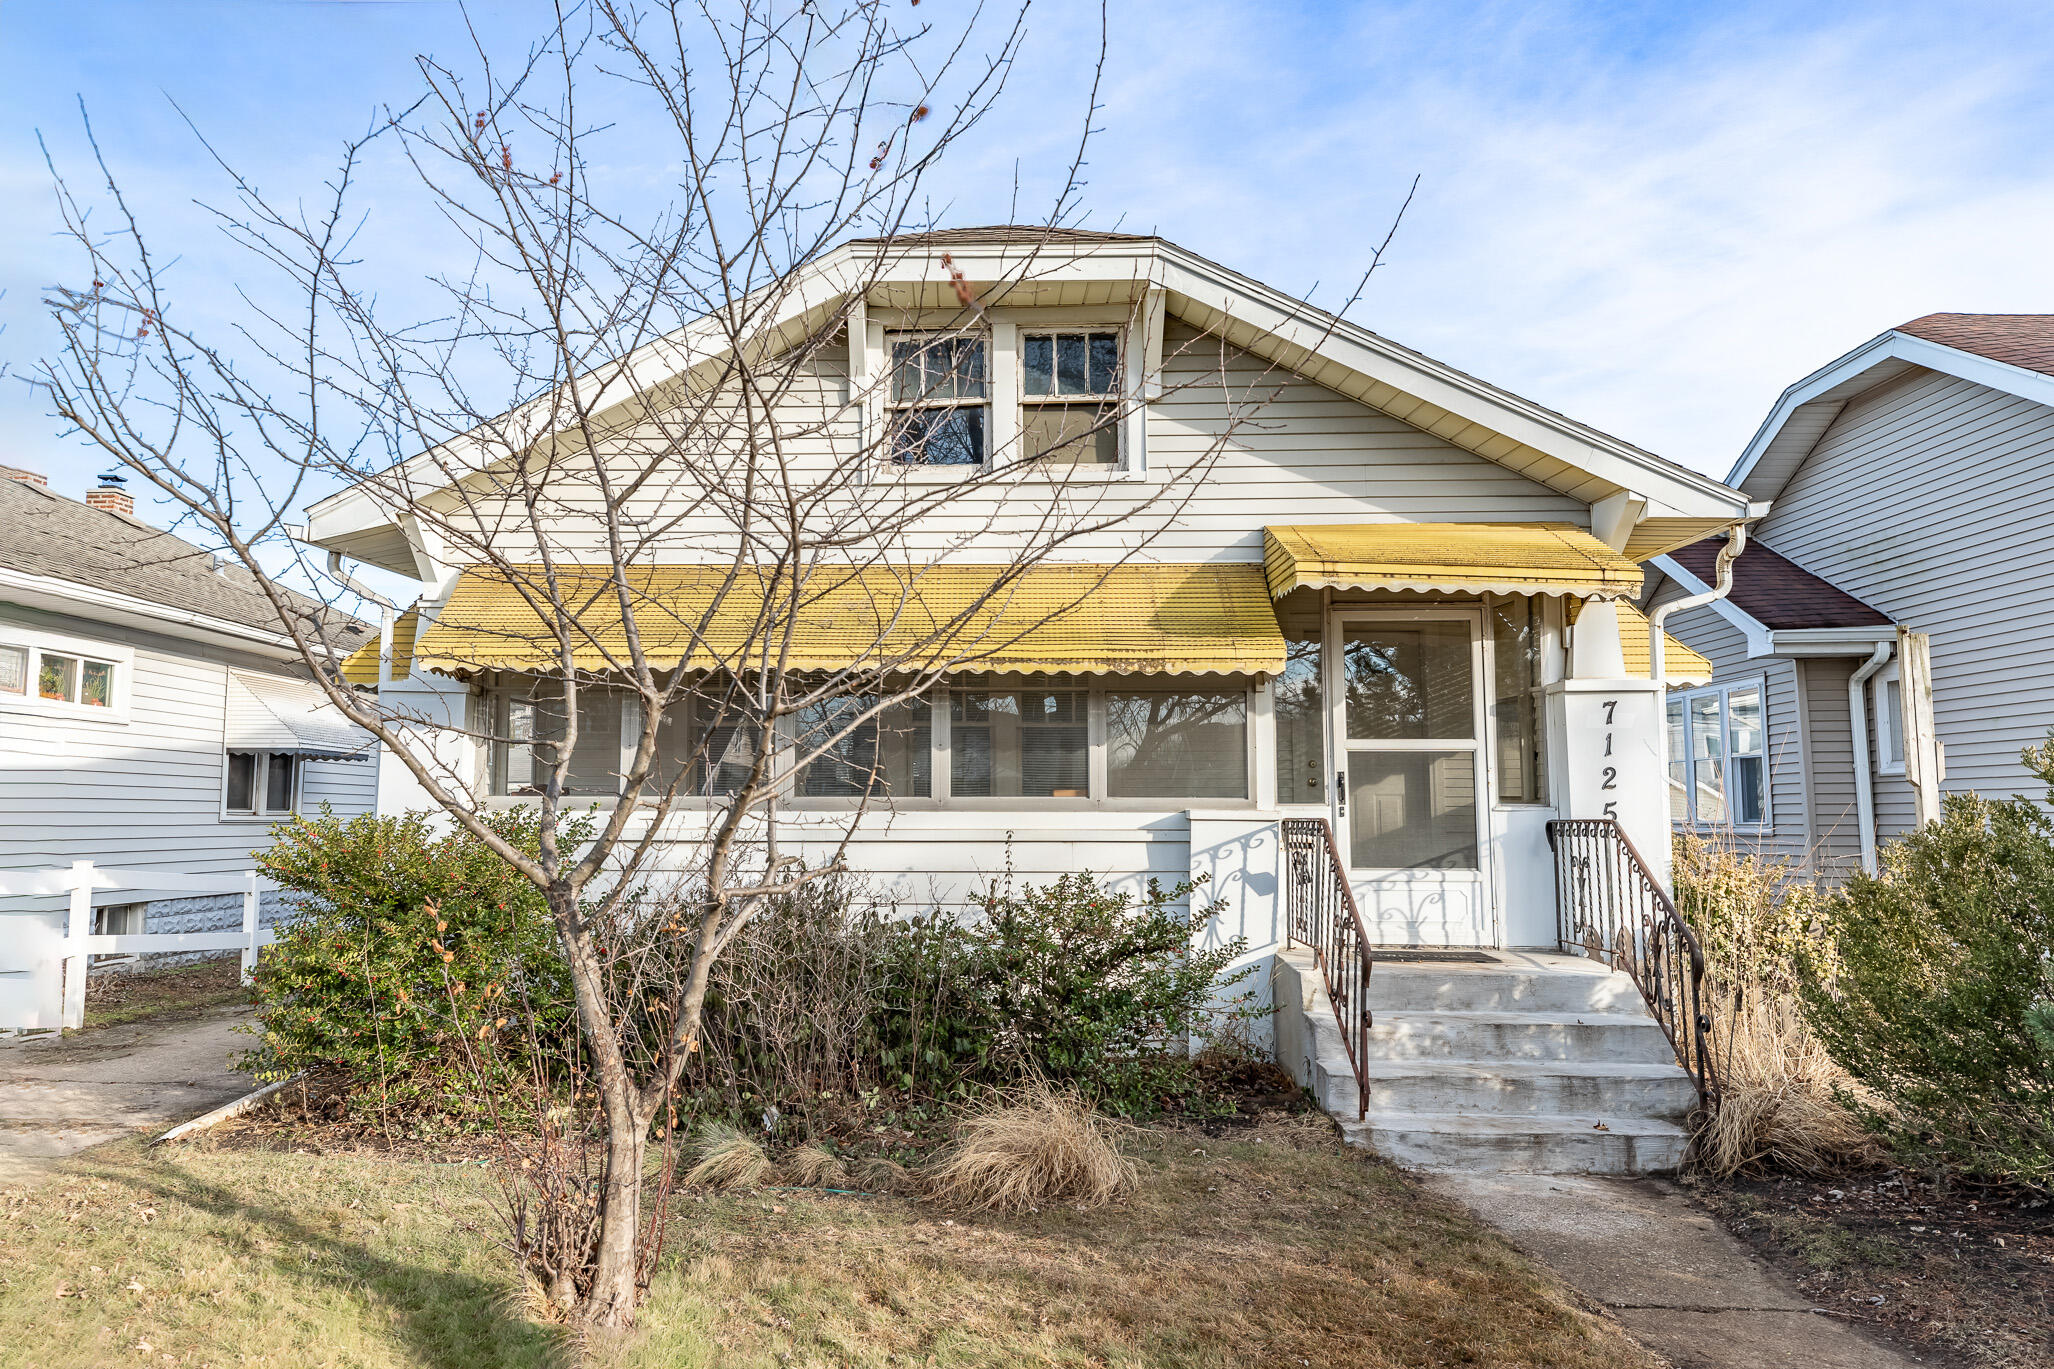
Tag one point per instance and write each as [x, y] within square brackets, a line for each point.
[1183, 745]
[1300, 707]
[1019, 744]
[887, 756]
[1412, 810]
[595, 755]
[1516, 703]
[279, 773]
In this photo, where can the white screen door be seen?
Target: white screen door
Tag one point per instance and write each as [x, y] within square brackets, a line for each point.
[1408, 715]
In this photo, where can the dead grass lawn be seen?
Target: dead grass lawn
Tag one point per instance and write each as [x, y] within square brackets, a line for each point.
[1275, 1247]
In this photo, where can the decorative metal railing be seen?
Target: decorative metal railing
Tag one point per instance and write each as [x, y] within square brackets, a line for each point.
[1612, 908]
[1322, 916]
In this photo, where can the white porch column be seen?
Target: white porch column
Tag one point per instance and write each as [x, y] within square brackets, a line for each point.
[1604, 751]
[1594, 650]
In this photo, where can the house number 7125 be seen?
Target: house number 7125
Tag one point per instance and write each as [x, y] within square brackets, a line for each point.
[1611, 772]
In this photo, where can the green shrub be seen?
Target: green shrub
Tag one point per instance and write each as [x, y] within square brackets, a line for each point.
[412, 941]
[1939, 999]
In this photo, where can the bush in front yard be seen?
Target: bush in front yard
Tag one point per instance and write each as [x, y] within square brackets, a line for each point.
[1939, 1000]
[412, 941]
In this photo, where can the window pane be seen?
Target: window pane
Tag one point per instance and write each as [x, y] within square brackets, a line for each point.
[595, 757]
[1708, 760]
[1408, 681]
[1515, 683]
[278, 772]
[242, 782]
[1065, 432]
[14, 670]
[1679, 764]
[1071, 374]
[517, 764]
[1890, 725]
[1744, 722]
[888, 756]
[940, 437]
[1105, 362]
[1038, 365]
[966, 362]
[1300, 709]
[97, 687]
[1019, 744]
[58, 678]
[1749, 789]
[906, 382]
[1412, 810]
[1177, 745]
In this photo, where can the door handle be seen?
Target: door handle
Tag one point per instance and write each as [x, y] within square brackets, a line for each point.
[1341, 790]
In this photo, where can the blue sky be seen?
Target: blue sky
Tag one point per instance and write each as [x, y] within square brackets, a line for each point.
[1652, 217]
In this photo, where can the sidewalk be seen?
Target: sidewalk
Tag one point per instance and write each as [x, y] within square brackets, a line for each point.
[1673, 1277]
[61, 1095]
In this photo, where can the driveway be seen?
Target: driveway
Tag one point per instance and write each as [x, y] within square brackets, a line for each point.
[61, 1095]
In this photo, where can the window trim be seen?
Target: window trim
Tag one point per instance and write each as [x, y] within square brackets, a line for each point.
[260, 786]
[1888, 722]
[1723, 690]
[36, 643]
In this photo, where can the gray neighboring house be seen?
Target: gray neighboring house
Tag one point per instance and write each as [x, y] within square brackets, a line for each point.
[153, 714]
[1886, 640]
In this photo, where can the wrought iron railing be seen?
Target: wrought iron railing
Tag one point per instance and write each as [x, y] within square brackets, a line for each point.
[1322, 916]
[1612, 908]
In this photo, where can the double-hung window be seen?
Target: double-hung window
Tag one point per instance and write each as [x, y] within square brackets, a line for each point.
[261, 783]
[1718, 757]
[940, 399]
[1069, 397]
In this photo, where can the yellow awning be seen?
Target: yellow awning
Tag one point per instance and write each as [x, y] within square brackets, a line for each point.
[1680, 664]
[1121, 619]
[1465, 558]
[360, 667]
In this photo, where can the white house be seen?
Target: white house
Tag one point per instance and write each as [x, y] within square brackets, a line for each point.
[1884, 641]
[1400, 602]
[153, 713]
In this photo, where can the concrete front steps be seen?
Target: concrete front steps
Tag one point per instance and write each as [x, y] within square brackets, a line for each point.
[1536, 1063]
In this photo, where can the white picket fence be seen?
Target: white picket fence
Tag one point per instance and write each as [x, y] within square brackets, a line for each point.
[43, 964]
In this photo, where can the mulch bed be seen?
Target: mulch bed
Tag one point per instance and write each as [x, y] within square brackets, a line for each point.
[1956, 1275]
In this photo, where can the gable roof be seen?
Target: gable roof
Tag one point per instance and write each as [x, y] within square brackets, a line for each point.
[54, 539]
[1021, 266]
[2013, 353]
[1776, 592]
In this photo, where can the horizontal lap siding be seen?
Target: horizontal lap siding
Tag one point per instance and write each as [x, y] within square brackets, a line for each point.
[1836, 823]
[1932, 498]
[145, 793]
[1788, 837]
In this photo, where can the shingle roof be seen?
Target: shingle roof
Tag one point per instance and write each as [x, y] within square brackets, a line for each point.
[1776, 593]
[63, 539]
[1005, 233]
[2025, 340]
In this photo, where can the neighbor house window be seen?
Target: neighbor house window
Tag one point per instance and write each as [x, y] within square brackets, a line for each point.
[1025, 743]
[1069, 385]
[889, 755]
[1718, 757]
[14, 670]
[940, 400]
[63, 676]
[1516, 699]
[261, 783]
[1889, 710]
[1176, 745]
[1299, 705]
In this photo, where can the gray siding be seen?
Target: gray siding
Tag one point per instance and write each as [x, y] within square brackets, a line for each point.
[1789, 835]
[1829, 763]
[1932, 498]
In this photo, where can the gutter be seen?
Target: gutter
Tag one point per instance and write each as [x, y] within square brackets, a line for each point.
[1858, 721]
[386, 610]
[1736, 542]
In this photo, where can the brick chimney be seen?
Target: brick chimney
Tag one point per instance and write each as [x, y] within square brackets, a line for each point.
[26, 477]
[110, 496]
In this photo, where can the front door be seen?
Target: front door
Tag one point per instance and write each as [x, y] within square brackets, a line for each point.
[1408, 718]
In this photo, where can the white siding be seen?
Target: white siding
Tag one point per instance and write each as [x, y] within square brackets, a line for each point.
[1932, 498]
[145, 792]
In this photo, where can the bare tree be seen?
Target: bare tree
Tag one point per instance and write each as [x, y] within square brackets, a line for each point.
[642, 437]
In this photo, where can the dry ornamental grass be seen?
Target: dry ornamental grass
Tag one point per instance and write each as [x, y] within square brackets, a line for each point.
[1032, 1150]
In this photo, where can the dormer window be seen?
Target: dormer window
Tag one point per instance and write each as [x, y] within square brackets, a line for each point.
[1069, 388]
[940, 400]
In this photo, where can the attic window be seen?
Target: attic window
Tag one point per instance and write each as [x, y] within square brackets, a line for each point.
[939, 400]
[1069, 383]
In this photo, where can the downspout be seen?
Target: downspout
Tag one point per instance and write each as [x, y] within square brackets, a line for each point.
[1722, 576]
[1858, 721]
[386, 609]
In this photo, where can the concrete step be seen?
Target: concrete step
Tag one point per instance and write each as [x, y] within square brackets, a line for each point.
[1596, 1037]
[1544, 1144]
[1527, 1088]
[1582, 986]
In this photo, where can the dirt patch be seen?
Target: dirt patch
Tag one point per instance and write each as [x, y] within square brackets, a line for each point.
[119, 996]
[1959, 1276]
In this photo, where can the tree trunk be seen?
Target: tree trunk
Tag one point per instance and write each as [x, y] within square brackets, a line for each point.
[611, 1301]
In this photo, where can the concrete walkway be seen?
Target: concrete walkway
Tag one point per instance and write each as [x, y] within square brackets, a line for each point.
[1673, 1277]
[61, 1095]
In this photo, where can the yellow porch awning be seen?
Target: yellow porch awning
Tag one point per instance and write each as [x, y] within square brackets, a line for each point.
[1462, 558]
[1121, 619]
[1680, 664]
[360, 667]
